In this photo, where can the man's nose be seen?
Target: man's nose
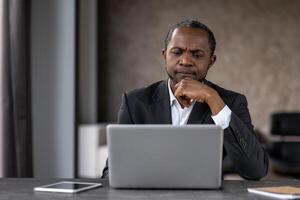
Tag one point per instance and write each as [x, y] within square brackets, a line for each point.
[186, 60]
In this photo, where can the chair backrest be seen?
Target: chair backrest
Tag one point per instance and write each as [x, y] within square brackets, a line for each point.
[285, 124]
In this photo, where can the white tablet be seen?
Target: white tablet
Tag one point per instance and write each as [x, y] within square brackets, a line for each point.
[67, 187]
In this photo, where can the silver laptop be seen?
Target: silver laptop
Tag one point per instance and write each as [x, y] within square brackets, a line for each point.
[165, 156]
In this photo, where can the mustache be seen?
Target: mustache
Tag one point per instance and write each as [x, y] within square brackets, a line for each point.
[185, 71]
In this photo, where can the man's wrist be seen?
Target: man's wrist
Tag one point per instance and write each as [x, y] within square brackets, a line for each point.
[223, 117]
[215, 103]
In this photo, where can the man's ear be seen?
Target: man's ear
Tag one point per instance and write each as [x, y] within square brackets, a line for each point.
[213, 59]
[163, 53]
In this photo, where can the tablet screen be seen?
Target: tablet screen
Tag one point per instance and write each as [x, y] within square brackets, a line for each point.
[67, 187]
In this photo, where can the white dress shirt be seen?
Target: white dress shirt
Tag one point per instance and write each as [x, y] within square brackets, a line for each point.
[180, 115]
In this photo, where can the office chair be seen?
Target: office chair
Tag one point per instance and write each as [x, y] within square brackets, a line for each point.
[285, 153]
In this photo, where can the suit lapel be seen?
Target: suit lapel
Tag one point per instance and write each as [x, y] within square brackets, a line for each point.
[199, 114]
[160, 108]
[161, 111]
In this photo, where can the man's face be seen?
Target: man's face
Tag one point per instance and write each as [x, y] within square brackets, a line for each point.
[188, 55]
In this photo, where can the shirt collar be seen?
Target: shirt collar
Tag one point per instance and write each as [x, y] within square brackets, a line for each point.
[172, 97]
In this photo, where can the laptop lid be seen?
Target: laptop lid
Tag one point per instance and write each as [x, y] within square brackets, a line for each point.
[165, 156]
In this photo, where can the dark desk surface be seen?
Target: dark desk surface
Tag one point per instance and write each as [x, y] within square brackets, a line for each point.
[13, 188]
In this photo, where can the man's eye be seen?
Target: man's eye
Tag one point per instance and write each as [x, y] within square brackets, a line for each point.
[197, 55]
[177, 53]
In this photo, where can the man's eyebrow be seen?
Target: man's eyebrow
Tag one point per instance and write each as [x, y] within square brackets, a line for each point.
[176, 48]
[197, 50]
[193, 50]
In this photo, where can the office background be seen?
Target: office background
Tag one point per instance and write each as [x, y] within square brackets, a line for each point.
[257, 48]
[85, 53]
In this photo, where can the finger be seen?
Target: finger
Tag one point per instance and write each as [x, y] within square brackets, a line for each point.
[178, 93]
[200, 100]
[181, 93]
[184, 102]
[188, 79]
[178, 85]
[182, 99]
[180, 90]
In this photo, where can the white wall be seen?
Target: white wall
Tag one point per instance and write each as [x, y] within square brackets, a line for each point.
[53, 73]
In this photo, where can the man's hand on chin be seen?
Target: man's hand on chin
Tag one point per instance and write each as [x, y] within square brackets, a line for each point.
[189, 90]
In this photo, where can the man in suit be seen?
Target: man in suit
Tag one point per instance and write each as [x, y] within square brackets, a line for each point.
[188, 98]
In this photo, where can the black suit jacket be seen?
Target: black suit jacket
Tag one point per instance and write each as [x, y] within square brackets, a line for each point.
[151, 105]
